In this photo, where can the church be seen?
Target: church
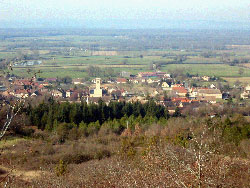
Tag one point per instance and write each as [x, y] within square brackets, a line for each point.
[97, 92]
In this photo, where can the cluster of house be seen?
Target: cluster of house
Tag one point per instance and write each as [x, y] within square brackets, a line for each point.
[24, 88]
[149, 77]
[28, 63]
[181, 94]
[166, 92]
[142, 77]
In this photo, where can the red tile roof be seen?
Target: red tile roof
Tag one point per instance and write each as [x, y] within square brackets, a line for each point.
[21, 91]
[121, 80]
[186, 100]
[179, 89]
[179, 99]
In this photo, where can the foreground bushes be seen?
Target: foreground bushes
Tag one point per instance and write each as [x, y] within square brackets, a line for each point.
[143, 155]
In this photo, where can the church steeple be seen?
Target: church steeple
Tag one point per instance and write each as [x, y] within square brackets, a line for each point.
[98, 83]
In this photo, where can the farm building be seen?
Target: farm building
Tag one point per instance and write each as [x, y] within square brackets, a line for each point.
[210, 93]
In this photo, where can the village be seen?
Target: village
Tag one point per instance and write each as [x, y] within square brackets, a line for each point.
[159, 86]
[114, 94]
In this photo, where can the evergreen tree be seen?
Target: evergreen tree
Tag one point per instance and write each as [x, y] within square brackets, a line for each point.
[177, 112]
[44, 121]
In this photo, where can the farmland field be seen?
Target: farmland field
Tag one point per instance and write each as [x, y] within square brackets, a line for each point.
[210, 70]
[230, 72]
[70, 53]
[231, 80]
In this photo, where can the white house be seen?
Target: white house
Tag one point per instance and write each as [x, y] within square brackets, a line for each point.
[56, 93]
[212, 86]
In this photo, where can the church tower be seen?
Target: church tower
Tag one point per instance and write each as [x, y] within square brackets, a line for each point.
[97, 92]
[98, 83]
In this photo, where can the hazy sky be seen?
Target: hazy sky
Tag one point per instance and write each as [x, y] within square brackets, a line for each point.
[85, 10]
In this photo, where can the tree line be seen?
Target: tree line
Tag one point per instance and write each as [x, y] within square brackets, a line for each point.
[48, 115]
[87, 119]
[94, 71]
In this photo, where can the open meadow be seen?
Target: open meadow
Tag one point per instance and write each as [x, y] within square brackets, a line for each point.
[71, 52]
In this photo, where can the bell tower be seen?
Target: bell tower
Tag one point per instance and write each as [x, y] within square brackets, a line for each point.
[97, 92]
[98, 83]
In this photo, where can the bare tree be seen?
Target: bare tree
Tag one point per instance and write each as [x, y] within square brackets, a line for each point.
[12, 111]
[12, 105]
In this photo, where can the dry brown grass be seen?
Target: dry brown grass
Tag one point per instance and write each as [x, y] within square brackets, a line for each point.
[156, 168]
[232, 80]
[148, 158]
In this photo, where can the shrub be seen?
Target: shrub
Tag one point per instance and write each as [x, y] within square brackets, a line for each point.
[77, 158]
[104, 130]
[74, 134]
[38, 134]
[127, 149]
[62, 131]
[181, 140]
[117, 127]
[245, 146]
[102, 154]
[27, 132]
[232, 134]
[48, 150]
[93, 128]
[83, 129]
[103, 141]
[61, 168]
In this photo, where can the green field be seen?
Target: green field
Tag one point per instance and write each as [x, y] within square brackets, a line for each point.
[69, 52]
[79, 71]
[52, 72]
[210, 70]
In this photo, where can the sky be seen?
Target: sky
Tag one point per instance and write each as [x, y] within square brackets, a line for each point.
[129, 13]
